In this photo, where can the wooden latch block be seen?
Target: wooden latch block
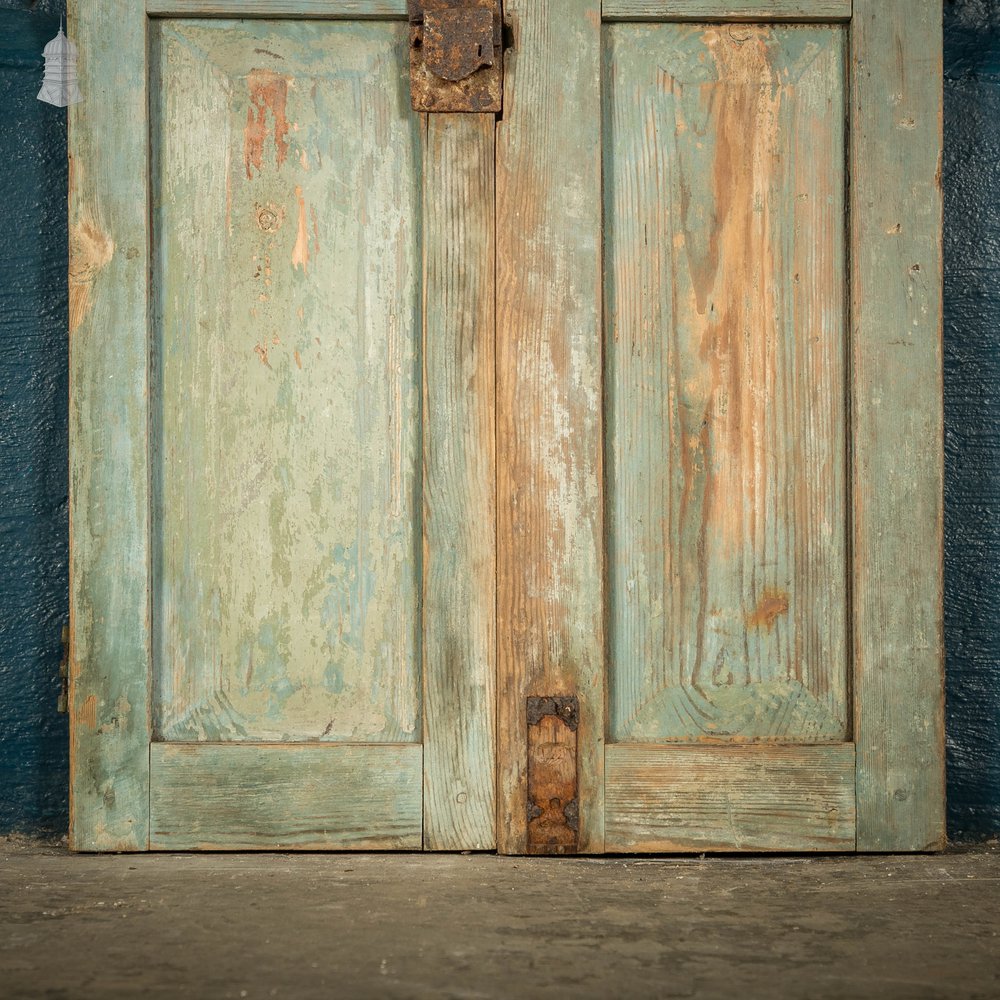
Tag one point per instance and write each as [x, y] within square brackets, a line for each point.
[456, 55]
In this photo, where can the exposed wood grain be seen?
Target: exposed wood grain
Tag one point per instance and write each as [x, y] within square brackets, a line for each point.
[352, 10]
[284, 797]
[662, 798]
[548, 395]
[109, 495]
[459, 564]
[898, 453]
[287, 383]
[727, 10]
[725, 382]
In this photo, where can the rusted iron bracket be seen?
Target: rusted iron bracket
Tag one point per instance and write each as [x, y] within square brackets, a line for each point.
[456, 55]
[553, 805]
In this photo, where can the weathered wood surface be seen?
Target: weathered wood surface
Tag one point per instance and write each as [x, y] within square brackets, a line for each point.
[284, 797]
[305, 9]
[672, 798]
[549, 608]
[897, 413]
[725, 382]
[727, 10]
[109, 495]
[459, 562]
[287, 374]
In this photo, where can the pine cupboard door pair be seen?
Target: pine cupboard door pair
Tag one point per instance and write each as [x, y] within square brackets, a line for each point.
[566, 480]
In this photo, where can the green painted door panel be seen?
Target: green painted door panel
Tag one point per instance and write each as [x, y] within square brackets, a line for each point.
[286, 411]
[725, 382]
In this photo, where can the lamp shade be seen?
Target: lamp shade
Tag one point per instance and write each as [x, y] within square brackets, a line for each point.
[60, 86]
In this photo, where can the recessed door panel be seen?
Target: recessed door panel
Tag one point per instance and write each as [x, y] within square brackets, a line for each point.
[725, 382]
[287, 383]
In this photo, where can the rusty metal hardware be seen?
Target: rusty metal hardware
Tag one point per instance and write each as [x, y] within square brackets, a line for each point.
[62, 703]
[553, 804]
[456, 55]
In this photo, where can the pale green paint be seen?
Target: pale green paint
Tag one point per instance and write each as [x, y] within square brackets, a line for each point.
[782, 798]
[332, 9]
[109, 496]
[459, 609]
[279, 798]
[286, 393]
[898, 453]
[726, 10]
[725, 382]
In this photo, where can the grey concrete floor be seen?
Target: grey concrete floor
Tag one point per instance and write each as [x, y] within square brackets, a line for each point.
[480, 926]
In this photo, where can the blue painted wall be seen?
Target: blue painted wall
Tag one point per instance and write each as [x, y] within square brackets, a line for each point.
[33, 548]
[972, 412]
[33, 408]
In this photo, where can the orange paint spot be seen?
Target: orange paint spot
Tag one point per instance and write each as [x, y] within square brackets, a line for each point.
[771, 606]
[298, 359]
[268, 92]
[261, 351]
[300, 252]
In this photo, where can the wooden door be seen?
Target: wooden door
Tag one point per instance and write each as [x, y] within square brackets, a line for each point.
[283, 554]
[719, 426]
[564, 480]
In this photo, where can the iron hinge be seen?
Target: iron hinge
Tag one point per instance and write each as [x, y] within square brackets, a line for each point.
[456, 55]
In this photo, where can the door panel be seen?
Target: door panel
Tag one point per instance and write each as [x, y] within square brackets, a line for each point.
[730, 798]
[239, 797]
[286, 229]
[290, 642]
[725, 382]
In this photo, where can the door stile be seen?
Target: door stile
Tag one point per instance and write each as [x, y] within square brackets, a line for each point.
[459, 563]
[896, 111]
[549, 493]
[109, 444]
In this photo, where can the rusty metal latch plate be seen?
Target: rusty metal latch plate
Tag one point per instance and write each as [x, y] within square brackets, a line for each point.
[456, 55]
[553, 780]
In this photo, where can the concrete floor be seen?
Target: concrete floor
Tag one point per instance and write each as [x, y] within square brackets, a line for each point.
[479, 926]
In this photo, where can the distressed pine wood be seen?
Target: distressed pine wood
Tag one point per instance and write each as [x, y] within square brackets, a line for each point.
[287, 383]
[663, 798]
[725, 382]
[284, 797]
[352, 10]
[549, 608]
[727, 10]
[109, 496]
[459, 564]
[897, 413]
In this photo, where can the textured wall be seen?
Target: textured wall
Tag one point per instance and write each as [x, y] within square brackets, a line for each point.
[972, 412]
[33, 601]
[33, 768]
